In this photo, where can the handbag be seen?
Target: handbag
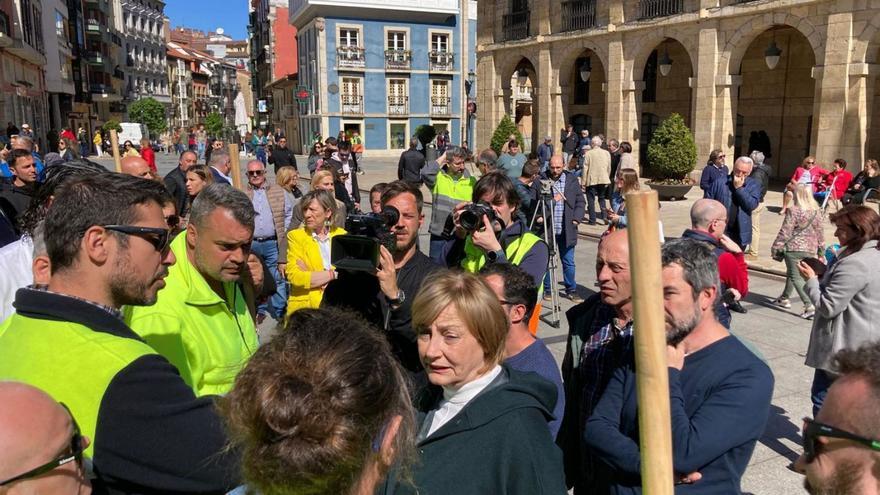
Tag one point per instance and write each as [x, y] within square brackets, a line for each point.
[779, 254]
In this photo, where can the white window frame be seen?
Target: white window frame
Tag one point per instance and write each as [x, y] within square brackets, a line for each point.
[405, 92]
[350, 27]
[448, 33]
[394, 29]
[406, 134]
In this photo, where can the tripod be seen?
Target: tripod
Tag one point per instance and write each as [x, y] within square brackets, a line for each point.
[546, 198]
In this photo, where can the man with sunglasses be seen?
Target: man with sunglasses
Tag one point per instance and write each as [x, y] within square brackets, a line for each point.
[842, 445]
[41, 446]
[281, 156]
[150, 434]
[713, 180]
[274, 212]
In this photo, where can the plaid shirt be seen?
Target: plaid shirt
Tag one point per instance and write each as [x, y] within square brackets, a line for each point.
[113, 311]
[607, 348]
[558, 206]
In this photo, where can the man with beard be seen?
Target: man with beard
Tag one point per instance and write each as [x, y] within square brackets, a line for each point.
[719, 390]
[842, 445]
[16, 195]
[400, 276]
[201, 321]
[149, 433]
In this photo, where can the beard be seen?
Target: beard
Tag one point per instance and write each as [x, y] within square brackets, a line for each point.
[681, 328]
[401, 246]
[844, 481]
[127, 289]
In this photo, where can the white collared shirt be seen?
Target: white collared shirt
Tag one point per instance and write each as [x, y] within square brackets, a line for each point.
[324, 248]
[454, 400]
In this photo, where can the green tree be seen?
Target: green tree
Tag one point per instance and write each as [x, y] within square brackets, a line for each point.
[502, 133]
[214, 124]
[111, 124]
[672, 153]
[149, 112]
[425, 133]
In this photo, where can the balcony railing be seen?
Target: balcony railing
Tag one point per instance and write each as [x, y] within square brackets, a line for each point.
[100, 89]
[95, 58]
[578, 15]
[516, 26]
[93, 27]
[652, 9]
[352, 104]
[398, 59]
[398, 105]
[441, 105]
[523, 93]
[442, 61]
[350, 57]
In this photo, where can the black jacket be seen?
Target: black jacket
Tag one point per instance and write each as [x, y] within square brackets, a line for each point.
[409, 167]
[355, 193]
[499, 442]
[14, 201]
[175, 182]
[762, 173]
[282, 157]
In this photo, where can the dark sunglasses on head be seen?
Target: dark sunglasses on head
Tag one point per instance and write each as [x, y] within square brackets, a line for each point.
[156, 236]
[71, 454]
[256, 173]
[813, 429]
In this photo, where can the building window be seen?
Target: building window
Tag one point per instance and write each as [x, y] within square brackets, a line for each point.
[581, 88]
[396, 54]
[440, 57]
[38, 29]
[61, 28]
[397, 135]
[396, 40]
[440, 42]
[398, 100]
[27, 24]
[349, 37]
[352, 96]
[349, 54]
[440, 104]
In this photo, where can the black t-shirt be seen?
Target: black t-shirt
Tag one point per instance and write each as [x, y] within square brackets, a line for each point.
[360, 292]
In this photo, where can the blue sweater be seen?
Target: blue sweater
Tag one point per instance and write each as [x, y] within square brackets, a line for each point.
[719, 401]
[536, 358]
[713, 182]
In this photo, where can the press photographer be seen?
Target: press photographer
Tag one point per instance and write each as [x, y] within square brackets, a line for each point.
[383, 295]
[488, 230]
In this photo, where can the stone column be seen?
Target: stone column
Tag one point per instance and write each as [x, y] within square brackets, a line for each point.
[703, 95]
[830, 104]
[490, 100]
[540, 18]
[545, 103]
[725, 117]
[860, 98]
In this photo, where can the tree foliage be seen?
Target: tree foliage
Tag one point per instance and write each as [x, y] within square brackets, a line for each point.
[502, 133]
[111, 124]
[214, 124]
[672, 153]
[425, 133]
[149, 112]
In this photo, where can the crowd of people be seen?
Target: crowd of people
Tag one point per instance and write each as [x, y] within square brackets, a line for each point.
[132, 358]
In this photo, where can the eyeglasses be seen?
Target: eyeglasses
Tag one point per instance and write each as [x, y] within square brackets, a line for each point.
[172, 221]
[255, 173]
[814, 429]
[156, 236]
[73, 453]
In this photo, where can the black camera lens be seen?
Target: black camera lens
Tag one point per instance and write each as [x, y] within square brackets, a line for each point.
[469, 220]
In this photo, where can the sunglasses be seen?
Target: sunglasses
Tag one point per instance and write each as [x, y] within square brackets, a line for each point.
[255, 173]
[156, 236]
[810, 163]
[75, 454]
[813, 429]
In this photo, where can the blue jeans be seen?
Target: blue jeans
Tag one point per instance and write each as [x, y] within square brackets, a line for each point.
[201, 150]
[277, 305]
[435, 250]
[568, 270]
[593, 192]
[821, 383]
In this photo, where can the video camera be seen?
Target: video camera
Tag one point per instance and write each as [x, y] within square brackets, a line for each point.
[358, 250]
[471, 217]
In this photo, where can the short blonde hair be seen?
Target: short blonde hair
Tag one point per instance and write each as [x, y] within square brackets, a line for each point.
[476, 304]
[319, 177]
[284, 177]
[803, 197]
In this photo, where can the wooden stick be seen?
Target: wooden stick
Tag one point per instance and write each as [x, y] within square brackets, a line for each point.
[114, 145]
[235, 166]
[652, 375]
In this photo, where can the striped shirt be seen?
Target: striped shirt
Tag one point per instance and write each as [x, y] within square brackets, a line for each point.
[558, 206]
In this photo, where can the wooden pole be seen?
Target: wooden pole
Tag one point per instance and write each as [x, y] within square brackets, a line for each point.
[235, 166]
[652, 376]
[114, 145]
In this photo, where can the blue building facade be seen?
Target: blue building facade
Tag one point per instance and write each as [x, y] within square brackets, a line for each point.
[383, 69]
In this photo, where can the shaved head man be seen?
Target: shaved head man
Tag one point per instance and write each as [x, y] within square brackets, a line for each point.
[136, 166]
[40, 445]
[709, 215]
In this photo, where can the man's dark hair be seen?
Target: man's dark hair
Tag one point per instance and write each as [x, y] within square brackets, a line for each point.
[414, 143]
[16, 155]
[94, 199]
[379, 188]
[519, 286]
[626, 147]
[488, 157]
[499, 186]
[512, 143]
[398, 187]
[696, 260]
[55, 177]
[864, 362]
[841, 162]
[187, 152]
[344, 145]
[222, 196]
[530, 169]
[331, 141]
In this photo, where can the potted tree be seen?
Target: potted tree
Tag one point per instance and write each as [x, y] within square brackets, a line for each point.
[672, 155]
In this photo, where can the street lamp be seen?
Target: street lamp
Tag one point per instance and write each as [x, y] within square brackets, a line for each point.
[471, 78]
[665, 63]
[468, 84]
[585, 70]
[771, 54]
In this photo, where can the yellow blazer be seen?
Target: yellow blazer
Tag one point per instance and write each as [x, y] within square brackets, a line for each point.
[301, 246]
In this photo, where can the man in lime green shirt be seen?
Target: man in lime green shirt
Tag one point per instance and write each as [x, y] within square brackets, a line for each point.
[201, 321]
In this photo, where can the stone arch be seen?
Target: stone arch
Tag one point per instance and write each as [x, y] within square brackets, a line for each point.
[573, 50]
[866, 46]
[649, 42]
[505, 65]
[735, 48]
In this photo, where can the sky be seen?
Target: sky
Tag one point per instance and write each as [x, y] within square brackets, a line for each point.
[208, 15]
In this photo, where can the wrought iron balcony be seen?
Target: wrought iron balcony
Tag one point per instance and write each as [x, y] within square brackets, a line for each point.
[93, 27]
[398, 105]
[441, 61]
[515, 26]
[523, 93]
[578, 15]
[398, 59]
[441, 105]
[95, 58]
[350, 57]
[352, 104]
[652, 9]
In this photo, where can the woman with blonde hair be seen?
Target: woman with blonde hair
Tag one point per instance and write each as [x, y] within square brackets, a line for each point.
[308, 251]
[288, 179]
[323, 180]
[801, 236]
[484, 426]
[627, 181]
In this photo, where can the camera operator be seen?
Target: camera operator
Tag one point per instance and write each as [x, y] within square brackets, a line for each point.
[384, 298]
[500, 236]
[566, 203]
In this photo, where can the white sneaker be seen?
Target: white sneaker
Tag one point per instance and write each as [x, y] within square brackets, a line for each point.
[782, 302]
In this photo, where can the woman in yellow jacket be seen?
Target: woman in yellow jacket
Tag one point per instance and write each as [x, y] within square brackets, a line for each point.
[308, 251]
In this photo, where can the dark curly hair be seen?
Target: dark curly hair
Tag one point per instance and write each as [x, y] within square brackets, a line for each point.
[310, 408]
